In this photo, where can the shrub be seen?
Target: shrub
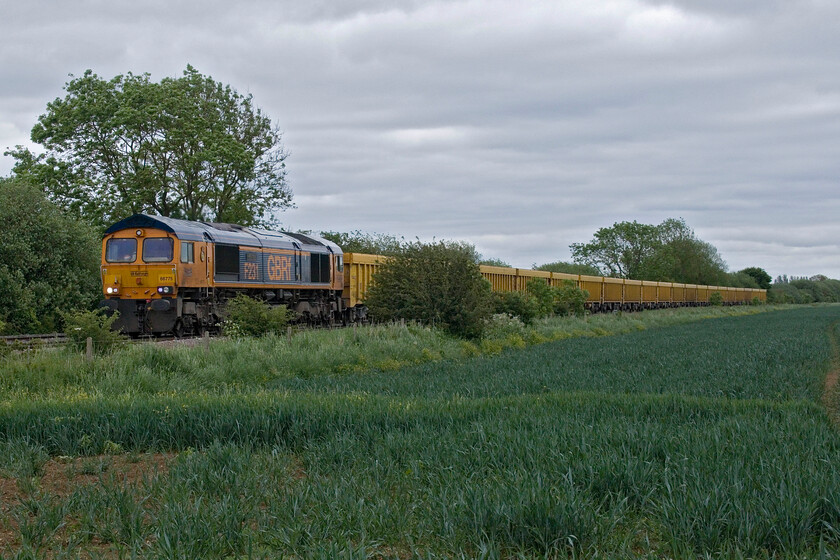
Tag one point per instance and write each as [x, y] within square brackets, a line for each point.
[81, 325]
[543, 294]
[43, 251]
[715, 298]
[567, 299]
[436, 283]
[518, 304]
[570, 300]
[247, 316]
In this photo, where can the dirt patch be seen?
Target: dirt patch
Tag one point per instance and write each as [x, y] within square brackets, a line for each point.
[61, 476]
[829, 396]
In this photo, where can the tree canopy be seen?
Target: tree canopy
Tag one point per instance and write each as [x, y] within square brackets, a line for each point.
[569, 268]
[358, 241]
[759, 274]
[186, 147]
[668, 252]
[622, 250]
[49, 262]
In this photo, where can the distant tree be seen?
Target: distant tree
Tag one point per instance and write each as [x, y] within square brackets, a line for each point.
[569, 268]
[437, 283]
[358, 241]
[49, 262]
[740, 280]
[760, 275]
[187, 147]
[494, 262]
[620, 251]
[667, 252]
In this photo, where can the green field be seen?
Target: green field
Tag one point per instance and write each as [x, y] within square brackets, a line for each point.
[691, 439]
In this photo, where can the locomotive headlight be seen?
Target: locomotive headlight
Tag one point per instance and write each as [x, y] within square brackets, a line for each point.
[112, 290]
[166, 290]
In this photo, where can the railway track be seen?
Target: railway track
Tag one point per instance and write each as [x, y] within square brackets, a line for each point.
[28, 341]
[23, 342]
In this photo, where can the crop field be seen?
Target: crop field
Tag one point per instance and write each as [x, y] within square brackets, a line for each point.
[677, 437]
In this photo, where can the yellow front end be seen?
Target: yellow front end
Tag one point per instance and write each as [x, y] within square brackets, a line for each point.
[139, 281]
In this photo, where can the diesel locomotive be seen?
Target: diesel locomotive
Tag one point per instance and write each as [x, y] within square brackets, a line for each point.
[165, 275]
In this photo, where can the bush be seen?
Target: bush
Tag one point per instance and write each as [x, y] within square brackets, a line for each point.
[570, 300]
[247, 316]
[43, 252]
[517, 304]
[437, 284]
[81, 325]
[715, 298]
[543, 294]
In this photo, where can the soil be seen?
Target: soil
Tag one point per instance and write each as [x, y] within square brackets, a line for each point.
[830, 396]
[61, 476]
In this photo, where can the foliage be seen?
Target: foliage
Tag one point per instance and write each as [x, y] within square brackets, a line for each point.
[760, 275]
[567, 299]
[187, 147]
[543, 294]
[740, 280]
[247, 316]
[81, 325]
[668, 252]
[358, 241]
[437, 283]
[494, 262]
[622, 250]
[803, 290]
[522, 305]
[569, 268]
[570, 300]
[715, 298]
[49, 262]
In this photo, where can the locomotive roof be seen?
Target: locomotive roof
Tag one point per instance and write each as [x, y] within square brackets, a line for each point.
[233, 234]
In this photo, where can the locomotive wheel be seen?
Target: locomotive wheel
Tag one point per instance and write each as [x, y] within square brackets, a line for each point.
[178, 329]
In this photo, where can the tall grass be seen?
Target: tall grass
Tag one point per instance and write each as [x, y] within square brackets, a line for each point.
[250, 364]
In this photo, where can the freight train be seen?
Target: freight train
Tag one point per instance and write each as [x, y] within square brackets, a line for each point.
[169, 276]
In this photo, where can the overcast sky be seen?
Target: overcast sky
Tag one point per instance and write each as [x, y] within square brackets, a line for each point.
[521, 126]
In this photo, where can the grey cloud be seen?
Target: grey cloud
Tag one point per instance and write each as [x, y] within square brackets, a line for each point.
[522, 128]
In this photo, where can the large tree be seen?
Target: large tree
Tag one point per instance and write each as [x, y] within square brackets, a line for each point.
[49, 262]
[186, 147]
